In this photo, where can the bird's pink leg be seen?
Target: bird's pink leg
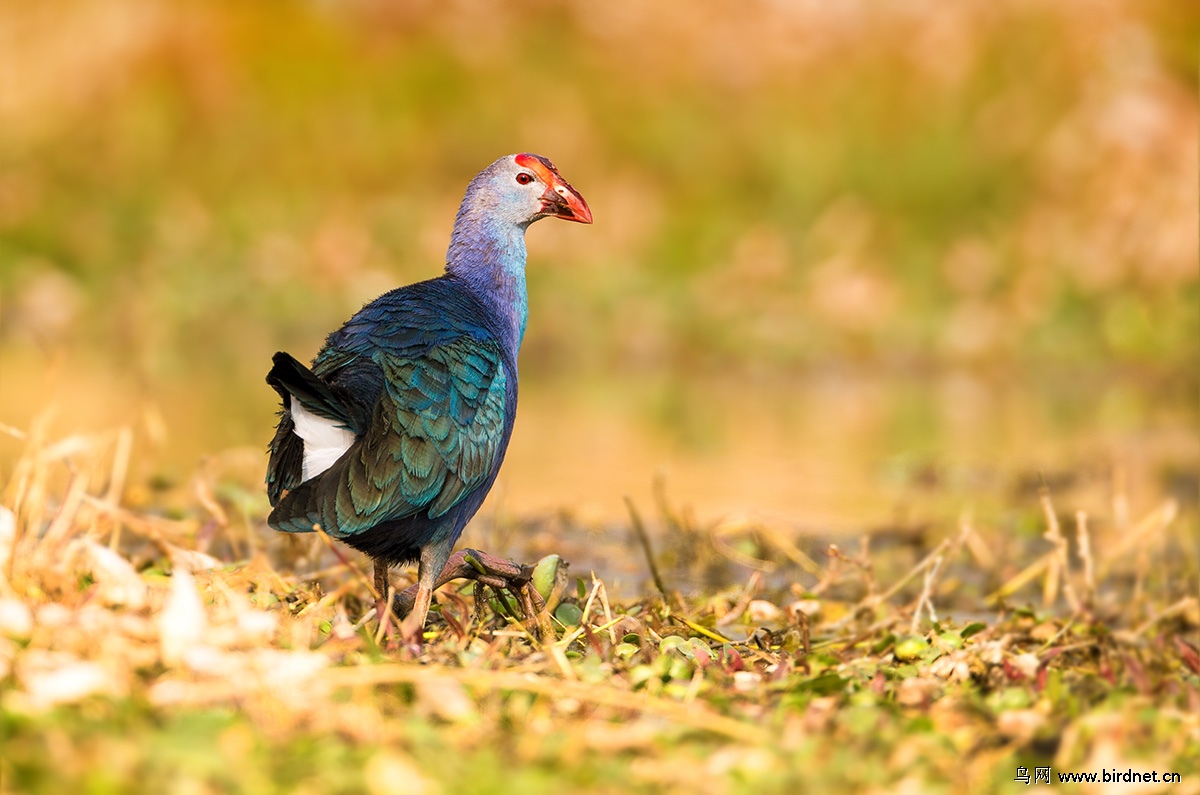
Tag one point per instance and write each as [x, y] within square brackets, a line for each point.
[433, 560]
[414, 623]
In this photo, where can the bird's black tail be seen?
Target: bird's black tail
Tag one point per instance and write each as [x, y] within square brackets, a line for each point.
[292, 380]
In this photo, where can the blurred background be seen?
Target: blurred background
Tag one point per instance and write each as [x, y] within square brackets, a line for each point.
[854, 264]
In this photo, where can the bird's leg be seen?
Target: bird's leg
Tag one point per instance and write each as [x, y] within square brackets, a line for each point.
[433, 561]
[381, 593]
[492, 571]
[414, 623]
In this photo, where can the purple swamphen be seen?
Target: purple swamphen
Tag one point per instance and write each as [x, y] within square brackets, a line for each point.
[392, 439]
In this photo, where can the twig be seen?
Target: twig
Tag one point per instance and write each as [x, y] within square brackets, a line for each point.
[1020, 580]
[574, 634]
[791, 551]
[866, 634]
[364, 579]
[1065, 628]
[384, 622]
[1059, 573]
[27, 485]
[561, 662]
[640, 529]
[587, 605]
[947, 548]
[739, 557]
[66, 512]
[1181, 606]
[753, 586]
[366, 618]
[16, 433]
[1084, 541]
[937, 553]
[805, 632]
[154, 528]
[926, 598]
[703, 630]
[832, 572]
[608, 618]
[327, 599]
[975, 545]
[310, 576]
[320, 531]
[116, 482]
[868, 570]
[1154, 522]
[204, 495]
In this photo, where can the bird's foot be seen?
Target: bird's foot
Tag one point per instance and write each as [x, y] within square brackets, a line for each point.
[497, 573]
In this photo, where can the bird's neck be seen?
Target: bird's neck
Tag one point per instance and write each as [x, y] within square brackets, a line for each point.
[489, 256]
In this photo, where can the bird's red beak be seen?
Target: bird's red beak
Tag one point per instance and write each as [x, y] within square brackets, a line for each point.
[560, 199]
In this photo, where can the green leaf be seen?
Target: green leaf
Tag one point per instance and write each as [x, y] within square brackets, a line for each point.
[973, 628]
[569, 614]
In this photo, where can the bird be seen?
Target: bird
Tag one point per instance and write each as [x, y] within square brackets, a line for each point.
[392, 438]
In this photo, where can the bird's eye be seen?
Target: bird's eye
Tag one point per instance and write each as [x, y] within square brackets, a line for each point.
[524, 179]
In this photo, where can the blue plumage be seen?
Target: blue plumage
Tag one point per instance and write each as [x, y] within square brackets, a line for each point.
[391, 441]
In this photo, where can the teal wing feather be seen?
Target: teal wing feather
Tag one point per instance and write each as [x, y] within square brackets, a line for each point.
[434, 436]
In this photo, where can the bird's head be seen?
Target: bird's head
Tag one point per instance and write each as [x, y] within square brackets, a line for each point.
[523, 188]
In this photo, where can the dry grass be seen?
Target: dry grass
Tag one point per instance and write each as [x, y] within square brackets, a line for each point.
[139, 651]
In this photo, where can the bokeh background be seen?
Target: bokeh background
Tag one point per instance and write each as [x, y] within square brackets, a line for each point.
[853, 263]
